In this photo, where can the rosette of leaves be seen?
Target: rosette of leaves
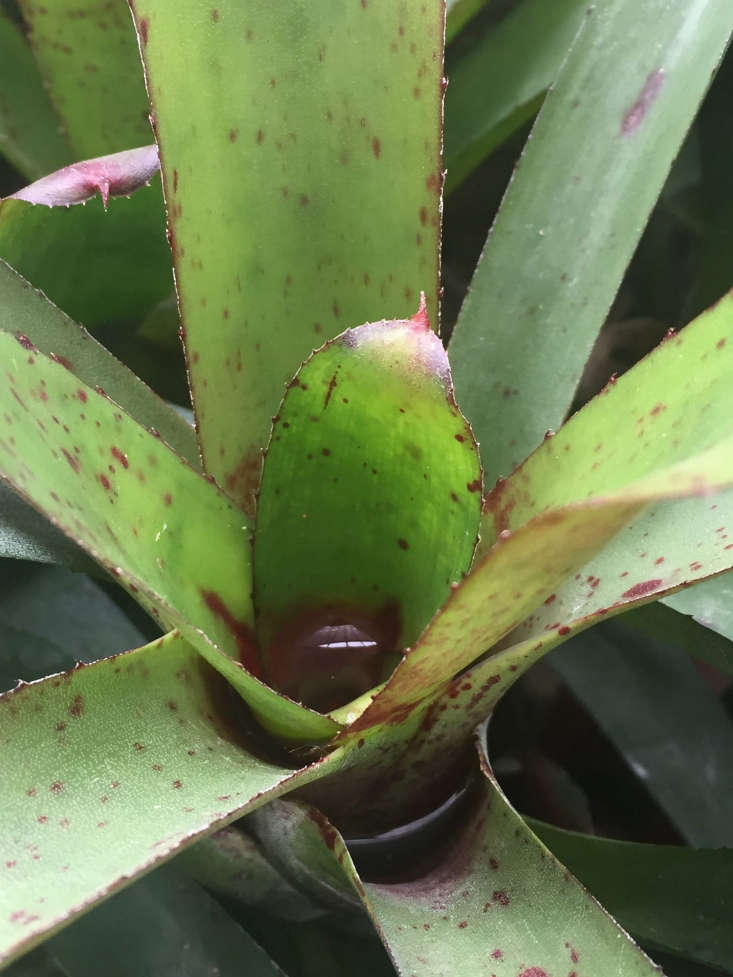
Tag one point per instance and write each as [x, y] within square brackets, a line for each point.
[341, 605]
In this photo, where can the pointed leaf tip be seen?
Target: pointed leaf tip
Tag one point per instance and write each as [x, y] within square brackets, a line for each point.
[112, 176]
[421, 319]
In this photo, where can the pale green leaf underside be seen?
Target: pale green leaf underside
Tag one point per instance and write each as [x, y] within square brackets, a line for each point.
[109, 769]
[710, 604]
[566, 229]
[293, 159]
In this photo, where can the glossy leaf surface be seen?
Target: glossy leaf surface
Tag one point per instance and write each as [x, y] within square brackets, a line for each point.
[314, 233]
[29, 134]
[108, 769]
[499, 84]
[674, 898]
[368, 438]
[534, 318]
[87, 54]
[137, 508]
[660, 715]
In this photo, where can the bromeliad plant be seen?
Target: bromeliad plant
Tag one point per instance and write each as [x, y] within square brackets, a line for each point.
[333, 632]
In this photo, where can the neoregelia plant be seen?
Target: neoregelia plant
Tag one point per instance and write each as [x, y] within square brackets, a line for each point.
[345, 589]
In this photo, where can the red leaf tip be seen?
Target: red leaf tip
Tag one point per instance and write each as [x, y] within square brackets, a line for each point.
[421, 319]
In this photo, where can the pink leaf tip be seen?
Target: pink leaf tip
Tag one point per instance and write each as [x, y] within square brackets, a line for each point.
[421, 318]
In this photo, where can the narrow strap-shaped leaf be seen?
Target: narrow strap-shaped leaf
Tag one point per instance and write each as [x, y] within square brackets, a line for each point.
[27, 312]
[109, 769]
[566, 231]
[29, 135]
[139, 510]
[27, 535]
[295, 167]
[368, 435]
[87, 54]
[666, 722]
[161, 925]
[500, 83]
[526, 568]
[681, 896]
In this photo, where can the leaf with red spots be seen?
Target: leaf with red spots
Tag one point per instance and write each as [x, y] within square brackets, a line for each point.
[85, 811]
[28, 123]
[367, 513]
[670, 406]
[138, 509]
[487, 892]
[314, 233]
[565, 232]
[87, 54]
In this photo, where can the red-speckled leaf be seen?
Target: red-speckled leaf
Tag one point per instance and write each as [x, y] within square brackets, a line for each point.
[675, 402]
[496, 901]
[566, 231]
[29, 135]
[487, 898]
[88, 57]
[138, 509]
[368, 435]
[108, 770]
[27, 312]
[525, 568]
[318, 163]
[116, 175]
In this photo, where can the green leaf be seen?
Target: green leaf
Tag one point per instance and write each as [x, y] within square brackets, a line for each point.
[458, 14]
[136, 507]
[567, 227]
[29, 135]
[112, 768]
[51, 618]
[664, 720]
[368, 435]
[27, 535]
[25, 311]
[710, 603]
[500, 83]
[495, 900]
[98, 266]
[87, 54]
[314, 233]
[231, 864]
[161, 926]
[677, 899]
[525, 569]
